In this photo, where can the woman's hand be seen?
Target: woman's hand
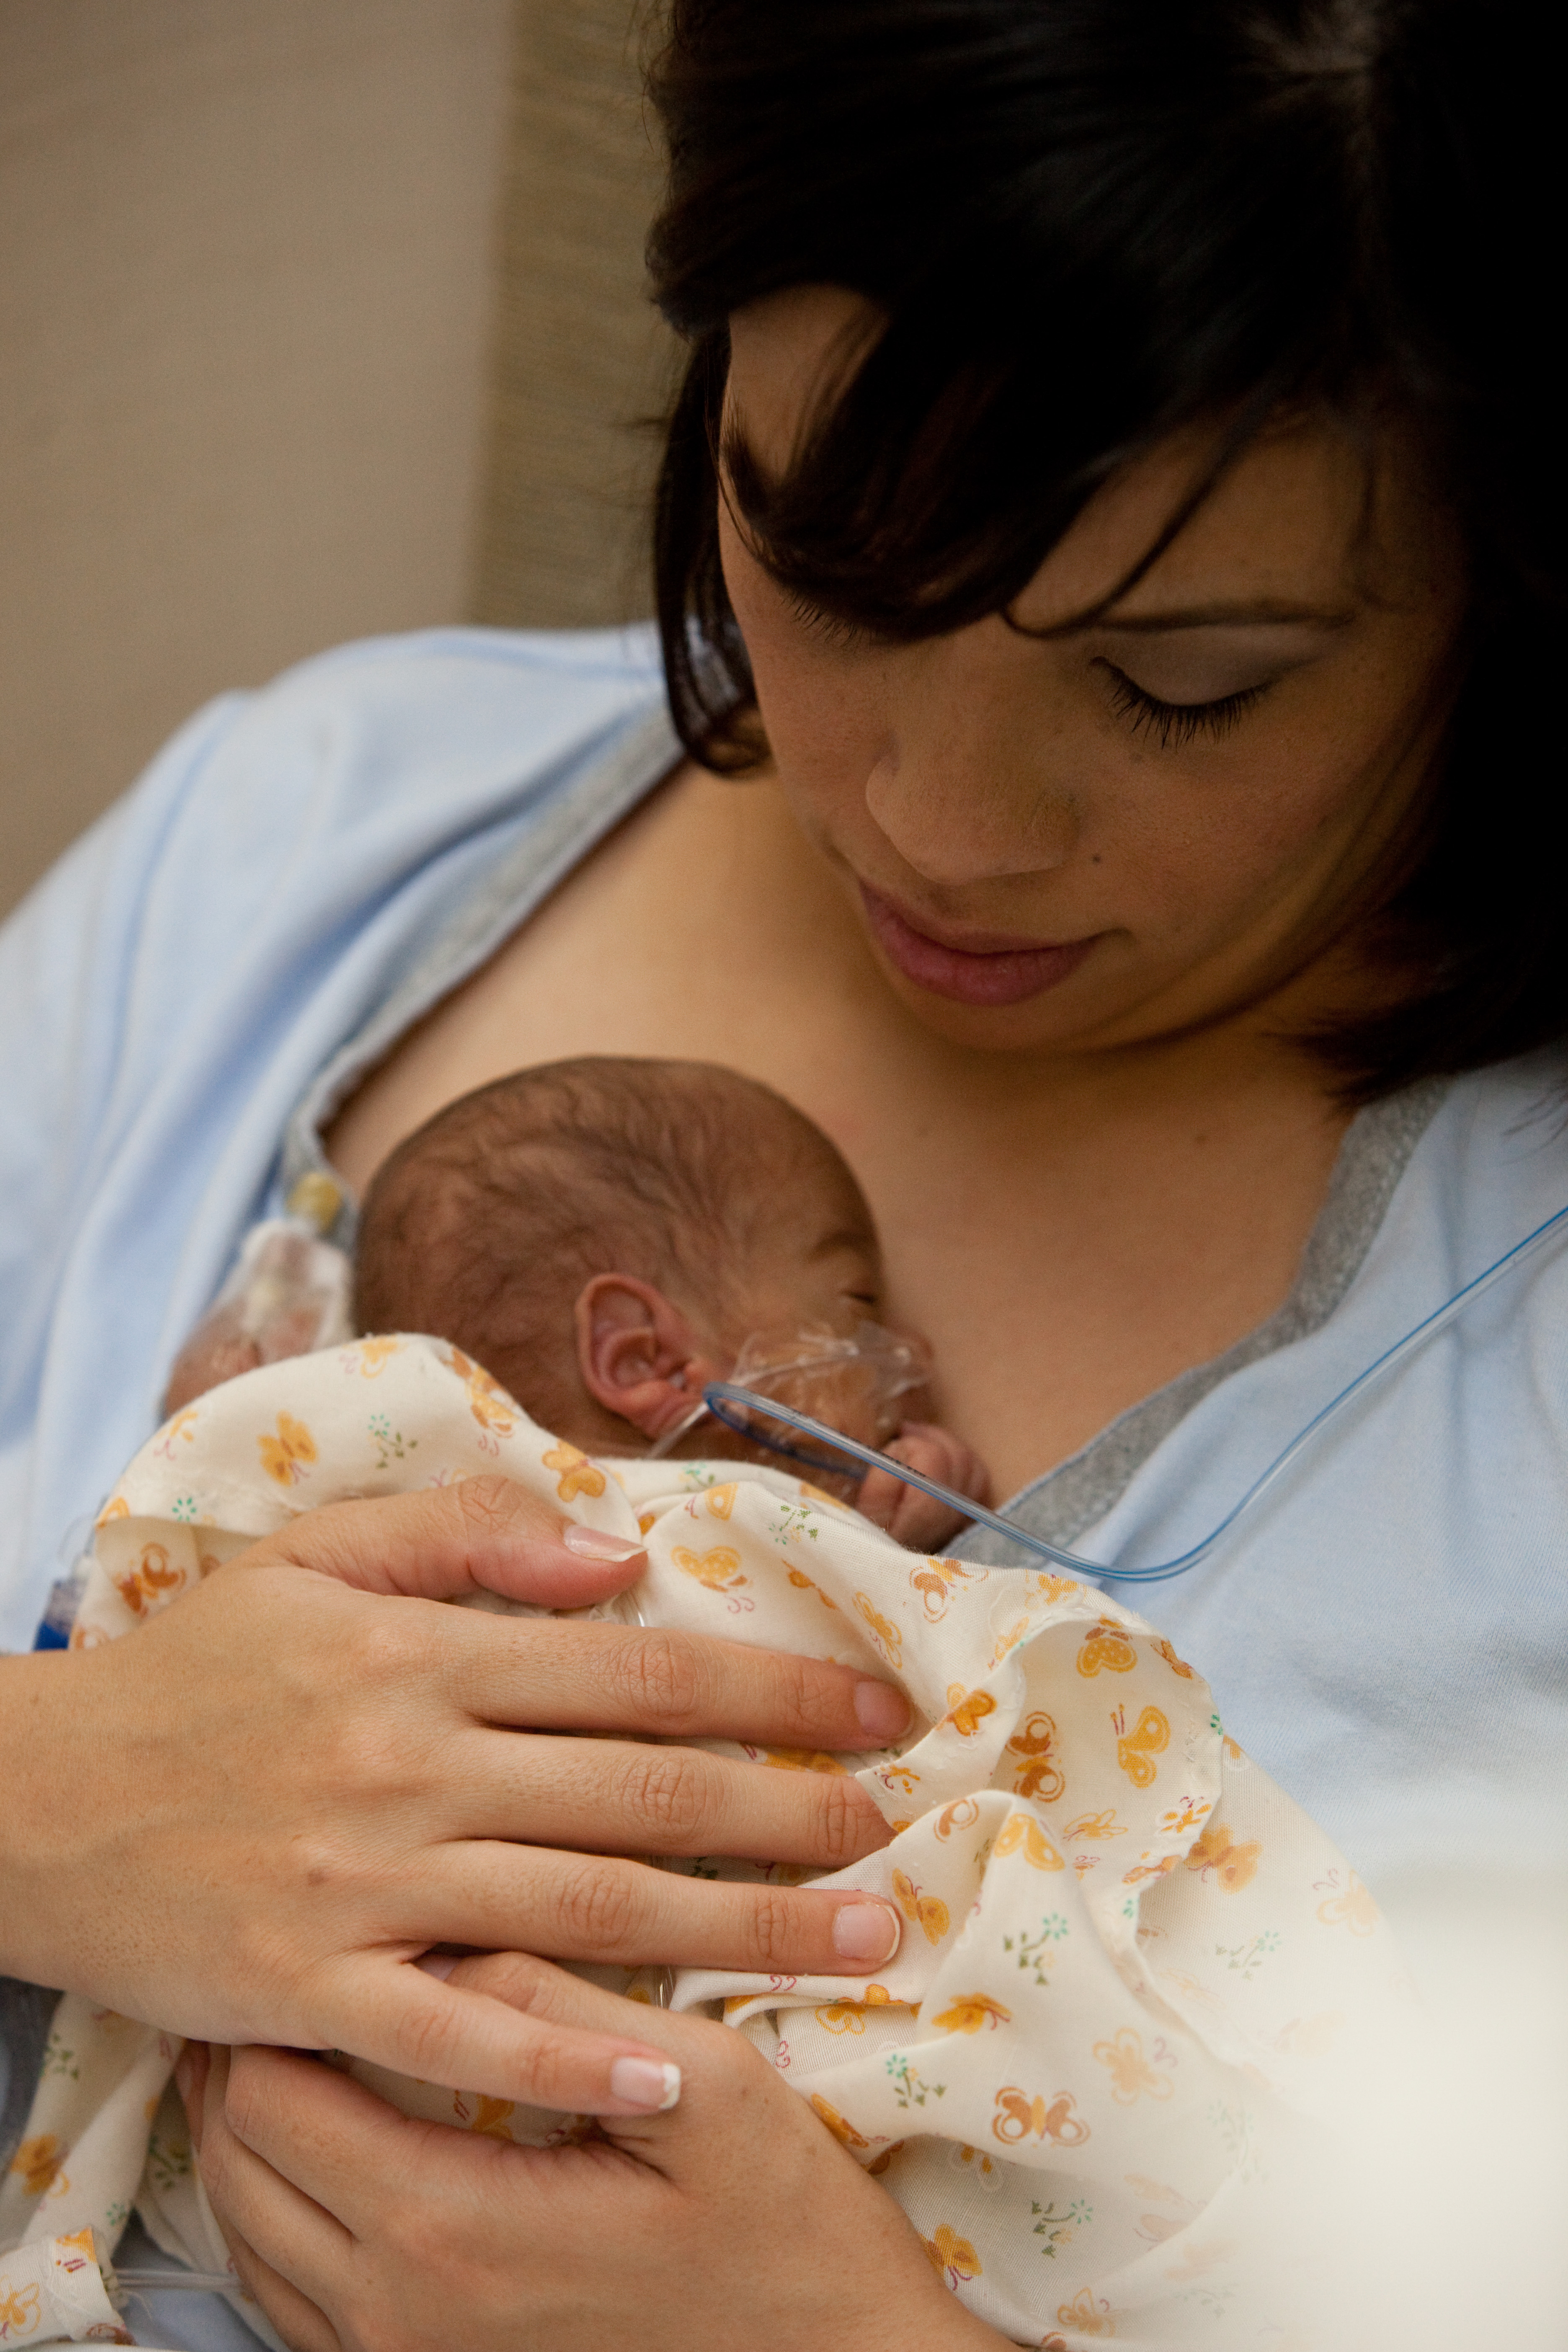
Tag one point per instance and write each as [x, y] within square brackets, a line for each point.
[732, 2223]
[244, 1820]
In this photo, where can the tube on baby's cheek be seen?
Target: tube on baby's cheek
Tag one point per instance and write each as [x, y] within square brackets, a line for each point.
[855, 1383]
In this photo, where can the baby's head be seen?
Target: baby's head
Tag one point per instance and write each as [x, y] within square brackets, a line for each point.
[603, 1234]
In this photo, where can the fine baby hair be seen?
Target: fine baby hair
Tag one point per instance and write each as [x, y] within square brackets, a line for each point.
[608, 1236]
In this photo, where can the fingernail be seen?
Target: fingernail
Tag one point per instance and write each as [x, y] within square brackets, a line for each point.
[865, 1931]
[438, 1963]
[882, 1712]
[591, 1543]
[645, 2083]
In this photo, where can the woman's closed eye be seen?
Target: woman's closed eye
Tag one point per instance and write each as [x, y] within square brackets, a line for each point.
[1174, 724]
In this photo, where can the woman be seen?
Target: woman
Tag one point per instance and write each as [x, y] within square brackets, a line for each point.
[1110, 535]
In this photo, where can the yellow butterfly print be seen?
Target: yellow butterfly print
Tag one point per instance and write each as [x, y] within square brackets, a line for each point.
[1136, 1749]
[376, 1354]
[38, 2162]
[1177, 1665]
[1083, 2315]
[1019, 2117]
[1353, 1909]
[969, 1712]
[718, 1570]
[936, 1579]
[720, 1500]
[803, 1583]
[19, 2308]
[491, 2118]
[845, 2134]
[1010, 1640]
[886, 1636]
[959, 1815]
[898, 1776]
[117, 1508]
[1234, 1865]
[151, 1581]
[578, 1474]
[850, 2016]
[282, 1456]
[1132, 2075]
[950, 2256]
[1184, 1816]
[928, 1912]
[494, 1409]
[1022, 1833]
[803, 1759]
[1106, 1650]
[1096, 1825]
[1057, 1588]
[1038, 1775]
[969, 2011]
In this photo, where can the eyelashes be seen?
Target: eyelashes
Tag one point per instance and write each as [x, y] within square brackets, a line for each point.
[1174, 724]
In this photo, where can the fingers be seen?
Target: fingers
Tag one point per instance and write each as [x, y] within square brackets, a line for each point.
[561, 1677]
[257, 2207]
[621, 1797]
[574, 1906]
[939, 1454]
[483, 1535]
[409, 2018]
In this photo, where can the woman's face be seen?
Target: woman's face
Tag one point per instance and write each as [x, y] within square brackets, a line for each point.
[1145, 822]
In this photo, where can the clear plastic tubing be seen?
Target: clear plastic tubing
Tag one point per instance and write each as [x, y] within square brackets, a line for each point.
[723, 1393]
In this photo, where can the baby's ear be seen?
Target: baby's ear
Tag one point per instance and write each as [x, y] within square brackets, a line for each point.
[637, 1355]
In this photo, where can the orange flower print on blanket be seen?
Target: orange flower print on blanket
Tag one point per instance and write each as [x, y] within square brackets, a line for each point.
[38, 2164]
[1018, 2117]
[20, 2310]
[885, 1634]
[283, 1457]
[1132, 2075]
[953, 2258]
[803, 1583]
[488, 1403]
[1036, 1772]
[971, 2012]
[927, 1911]
[936, 1579]
[845, 2134]
[152, 1579]
[1085, 2315]
[967, 1710]
[374, 1354]
[1353, 1907]
[575, 1473]
[719, 1570]
[1106, 1651]
[1233, 1867]
[1136, 1749]
[1022, 1834]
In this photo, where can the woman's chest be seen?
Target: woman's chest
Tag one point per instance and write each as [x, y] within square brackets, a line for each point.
[1062, 1267]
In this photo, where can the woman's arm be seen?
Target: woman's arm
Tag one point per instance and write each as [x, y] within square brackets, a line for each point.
[732, 2222]
[244, 1820]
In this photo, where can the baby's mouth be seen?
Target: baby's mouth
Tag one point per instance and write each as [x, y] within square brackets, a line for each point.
[985, 968]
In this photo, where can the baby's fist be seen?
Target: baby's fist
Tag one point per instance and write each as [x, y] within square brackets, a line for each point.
[919, 1520]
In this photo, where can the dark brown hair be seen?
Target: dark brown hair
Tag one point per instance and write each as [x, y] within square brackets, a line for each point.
[1087, 223]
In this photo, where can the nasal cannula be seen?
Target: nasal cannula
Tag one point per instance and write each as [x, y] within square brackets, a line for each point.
[719, 1394]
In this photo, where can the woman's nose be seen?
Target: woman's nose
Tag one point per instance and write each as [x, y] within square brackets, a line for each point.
[954, 818]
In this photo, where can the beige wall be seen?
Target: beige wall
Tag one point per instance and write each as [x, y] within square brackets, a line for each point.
[246, 313]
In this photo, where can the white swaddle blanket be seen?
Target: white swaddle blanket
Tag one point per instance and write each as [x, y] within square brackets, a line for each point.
[1137, 1991]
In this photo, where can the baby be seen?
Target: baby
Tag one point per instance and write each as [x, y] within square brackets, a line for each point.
[605, 1236]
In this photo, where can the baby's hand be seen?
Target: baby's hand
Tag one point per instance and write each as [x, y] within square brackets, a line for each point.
[919, 1520]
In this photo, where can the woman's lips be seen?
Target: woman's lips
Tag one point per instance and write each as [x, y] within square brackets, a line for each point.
[995, 970]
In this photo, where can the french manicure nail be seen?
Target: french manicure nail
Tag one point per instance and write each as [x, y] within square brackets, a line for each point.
[867, 1931]
[882, 1712]
[592, 1543]
[645, 2083]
